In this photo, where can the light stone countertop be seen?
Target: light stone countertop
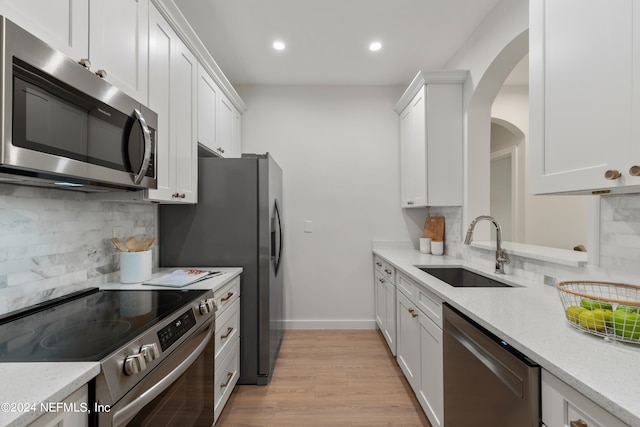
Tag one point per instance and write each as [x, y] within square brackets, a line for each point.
[531, 318]
[26, 384]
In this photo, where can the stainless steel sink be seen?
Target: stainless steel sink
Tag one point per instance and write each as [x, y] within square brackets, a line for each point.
[462, 278]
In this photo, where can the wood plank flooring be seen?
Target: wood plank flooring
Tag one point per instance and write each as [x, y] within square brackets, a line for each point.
[328, 378]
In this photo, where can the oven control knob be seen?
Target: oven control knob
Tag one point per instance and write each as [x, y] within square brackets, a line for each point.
[134, 364]
[150, 352]
[207, 306]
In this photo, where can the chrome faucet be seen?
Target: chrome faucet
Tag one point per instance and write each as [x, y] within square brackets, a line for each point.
[501, 255]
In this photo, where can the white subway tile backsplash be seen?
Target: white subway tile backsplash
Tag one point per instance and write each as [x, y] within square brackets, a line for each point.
[53, 241]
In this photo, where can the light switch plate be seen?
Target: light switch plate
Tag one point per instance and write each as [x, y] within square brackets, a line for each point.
[308, 226]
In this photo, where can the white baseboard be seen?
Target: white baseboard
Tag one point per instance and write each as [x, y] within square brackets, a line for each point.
[329, 324]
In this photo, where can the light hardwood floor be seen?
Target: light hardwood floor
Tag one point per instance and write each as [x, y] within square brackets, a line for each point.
[328, 378]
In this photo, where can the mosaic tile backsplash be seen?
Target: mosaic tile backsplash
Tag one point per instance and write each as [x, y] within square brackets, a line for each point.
[53, 241]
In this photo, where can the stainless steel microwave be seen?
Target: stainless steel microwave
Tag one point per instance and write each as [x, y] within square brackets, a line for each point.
[64, 126]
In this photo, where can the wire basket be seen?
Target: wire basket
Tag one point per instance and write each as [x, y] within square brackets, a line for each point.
[607, 309]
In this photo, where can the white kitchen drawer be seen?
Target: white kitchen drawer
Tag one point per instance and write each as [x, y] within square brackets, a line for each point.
[430, 304]
[226, 378]
[562, 405]
[226, 295]
[387, 270]
[407, 286]
[227, 330]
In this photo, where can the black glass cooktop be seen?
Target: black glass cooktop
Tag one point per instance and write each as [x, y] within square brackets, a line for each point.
[87, 326]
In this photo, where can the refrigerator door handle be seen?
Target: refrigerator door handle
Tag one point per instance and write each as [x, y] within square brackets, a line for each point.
[276, 239]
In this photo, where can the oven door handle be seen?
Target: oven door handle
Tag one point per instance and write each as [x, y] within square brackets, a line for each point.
[125, 414]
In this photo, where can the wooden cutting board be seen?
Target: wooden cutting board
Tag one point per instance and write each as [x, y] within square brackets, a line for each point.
[434, 228]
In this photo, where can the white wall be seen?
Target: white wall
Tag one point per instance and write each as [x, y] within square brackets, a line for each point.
[554, 221]
[492, 51]
[338, 148]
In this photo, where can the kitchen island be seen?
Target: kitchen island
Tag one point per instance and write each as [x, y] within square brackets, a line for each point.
[32, 389]
[530, 317]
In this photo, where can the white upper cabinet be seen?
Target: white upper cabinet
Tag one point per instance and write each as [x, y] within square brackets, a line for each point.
[172, 95]
[184, 119]
[208, 95]
[118, 43]
[431, 140]
[110, 36]
[219, 122]
[584, 97]
[61, 23]
[226, 127]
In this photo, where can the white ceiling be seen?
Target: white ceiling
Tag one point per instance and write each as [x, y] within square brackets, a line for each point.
[327, 40]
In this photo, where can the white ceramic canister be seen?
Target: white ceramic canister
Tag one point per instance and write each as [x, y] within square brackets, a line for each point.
[437, 248]
[425, 245]
[135, 267]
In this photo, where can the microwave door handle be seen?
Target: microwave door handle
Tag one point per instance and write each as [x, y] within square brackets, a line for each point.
[137, 179]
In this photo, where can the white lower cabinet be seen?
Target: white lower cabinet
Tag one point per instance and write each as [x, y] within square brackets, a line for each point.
[227, 343]
[78, 400]
[408, 345]
[385, 301]
[431, 392]
[563, 406]
[419, 347]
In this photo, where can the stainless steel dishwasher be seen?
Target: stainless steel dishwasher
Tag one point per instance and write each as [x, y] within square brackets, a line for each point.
[486, 381]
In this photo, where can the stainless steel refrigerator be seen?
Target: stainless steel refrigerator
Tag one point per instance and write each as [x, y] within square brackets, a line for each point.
[236, 223]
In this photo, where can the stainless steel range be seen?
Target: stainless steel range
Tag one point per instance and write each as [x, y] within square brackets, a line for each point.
[154, 347]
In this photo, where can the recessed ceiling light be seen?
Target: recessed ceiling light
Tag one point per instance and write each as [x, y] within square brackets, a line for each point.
[375, 46]
[278, 45]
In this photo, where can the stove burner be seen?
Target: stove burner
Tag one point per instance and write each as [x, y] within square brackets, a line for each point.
[86, 339]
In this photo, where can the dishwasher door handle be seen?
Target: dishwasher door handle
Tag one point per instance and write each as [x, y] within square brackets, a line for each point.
[501, 371]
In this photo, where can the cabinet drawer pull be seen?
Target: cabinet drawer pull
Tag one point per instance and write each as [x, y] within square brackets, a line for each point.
[378, 264]
[226, 383]
[101, 73]
[225, 336]
[382, 280]
[413, 313]
[225, 299]
[409, 202]
[612, 174]
[386, 270]
[578, 423]
[634, 171]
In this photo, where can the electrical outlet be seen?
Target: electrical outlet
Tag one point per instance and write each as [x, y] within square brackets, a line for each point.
[118, 232]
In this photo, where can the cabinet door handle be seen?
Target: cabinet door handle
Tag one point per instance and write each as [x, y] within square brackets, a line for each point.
[378, 264]
[85, 63]
[226, 383]
[413, 313]
[101, 73]
[409, 202]
[220, 149]
[634, 171]
[225, 336]
[578, 423]
[612, 174]
[224, 299]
